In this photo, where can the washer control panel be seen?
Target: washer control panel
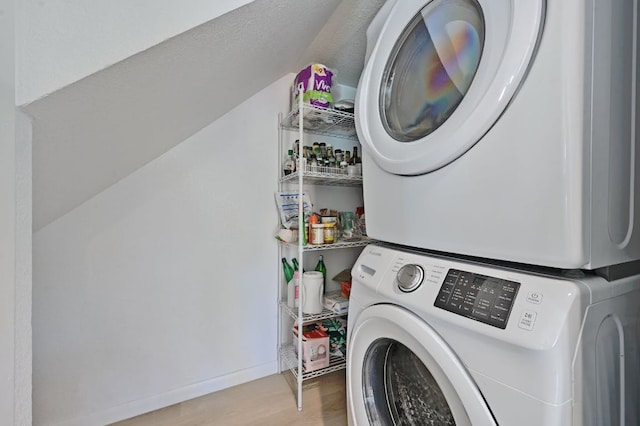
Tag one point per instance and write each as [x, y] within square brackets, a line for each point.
[480, 297]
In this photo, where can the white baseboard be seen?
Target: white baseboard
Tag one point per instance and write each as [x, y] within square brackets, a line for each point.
[135, 408]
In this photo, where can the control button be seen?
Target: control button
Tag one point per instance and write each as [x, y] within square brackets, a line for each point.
[527, 320]
[481, 313]
[534, 297]
[410, 277]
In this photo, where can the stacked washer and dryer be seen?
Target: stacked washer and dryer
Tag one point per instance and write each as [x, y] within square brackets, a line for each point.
[500, 150]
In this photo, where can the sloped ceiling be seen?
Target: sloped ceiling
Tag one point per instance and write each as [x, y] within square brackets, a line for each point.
[342, 42]
[94, 132]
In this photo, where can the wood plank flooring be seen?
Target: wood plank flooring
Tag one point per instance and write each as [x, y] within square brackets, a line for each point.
[269, 401]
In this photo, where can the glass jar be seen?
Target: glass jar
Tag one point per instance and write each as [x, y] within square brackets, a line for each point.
[332, 164]
[317, 233]
[323, 149]
[329, 233]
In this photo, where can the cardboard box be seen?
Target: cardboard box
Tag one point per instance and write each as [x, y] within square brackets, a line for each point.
[315, 347]
[344, 278]
[336, 302]
[336, 328]
[345, 288]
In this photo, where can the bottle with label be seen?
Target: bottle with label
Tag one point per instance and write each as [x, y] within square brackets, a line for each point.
[357, 161]
[332, 164]
[354, 158]
[288, 269]
[316, 149]
[321, 267]
[293, 290]
[329, 152]
[296, 148]
[296, 265]
[289, 164]
[323, 149]
[305, 234]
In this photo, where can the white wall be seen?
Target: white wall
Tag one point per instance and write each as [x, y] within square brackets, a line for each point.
[24, 266]
[15, 239]
[163, 287]
[93, 133]
[62, 41]
[7, 214]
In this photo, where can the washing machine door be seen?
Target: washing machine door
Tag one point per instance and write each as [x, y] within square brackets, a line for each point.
[401, 372]
[439, 75]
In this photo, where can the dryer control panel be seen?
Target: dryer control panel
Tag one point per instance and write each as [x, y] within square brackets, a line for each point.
[480, 297]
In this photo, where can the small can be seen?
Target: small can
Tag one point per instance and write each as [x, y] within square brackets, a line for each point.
[317, 233]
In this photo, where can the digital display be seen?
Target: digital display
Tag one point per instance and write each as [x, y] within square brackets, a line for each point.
[480, 297]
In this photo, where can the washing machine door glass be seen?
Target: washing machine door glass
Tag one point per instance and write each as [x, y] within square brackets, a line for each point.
[439, 75]
[400, 390]
[400, 371]
[431, 68]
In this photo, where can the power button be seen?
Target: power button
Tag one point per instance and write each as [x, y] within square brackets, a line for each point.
[534, 297]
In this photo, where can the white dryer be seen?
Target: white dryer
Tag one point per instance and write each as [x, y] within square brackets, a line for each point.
[504, 129]
[440, 341]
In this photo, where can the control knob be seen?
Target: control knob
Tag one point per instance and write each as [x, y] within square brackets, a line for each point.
[410, 277]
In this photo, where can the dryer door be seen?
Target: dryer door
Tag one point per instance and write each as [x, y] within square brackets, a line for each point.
[439, 75]
[400, 371]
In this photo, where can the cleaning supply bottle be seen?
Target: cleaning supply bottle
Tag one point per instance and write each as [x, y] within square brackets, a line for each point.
[293, 290]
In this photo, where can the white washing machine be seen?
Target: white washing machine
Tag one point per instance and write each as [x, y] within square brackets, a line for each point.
[504, 129]
[441, 341]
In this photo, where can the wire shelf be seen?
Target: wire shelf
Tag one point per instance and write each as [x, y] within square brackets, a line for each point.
[302, 119]
[360, 242]
[322, 121]
[306, 318]
[287, 354]
[329, 176]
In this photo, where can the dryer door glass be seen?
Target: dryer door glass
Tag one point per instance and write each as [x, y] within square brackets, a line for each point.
[431, 68]
[400, 390]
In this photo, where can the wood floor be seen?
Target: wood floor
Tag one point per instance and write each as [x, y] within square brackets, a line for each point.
[265, 402]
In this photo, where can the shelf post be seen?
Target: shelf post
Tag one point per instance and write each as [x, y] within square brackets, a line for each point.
[300, 237]
[280, 272]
